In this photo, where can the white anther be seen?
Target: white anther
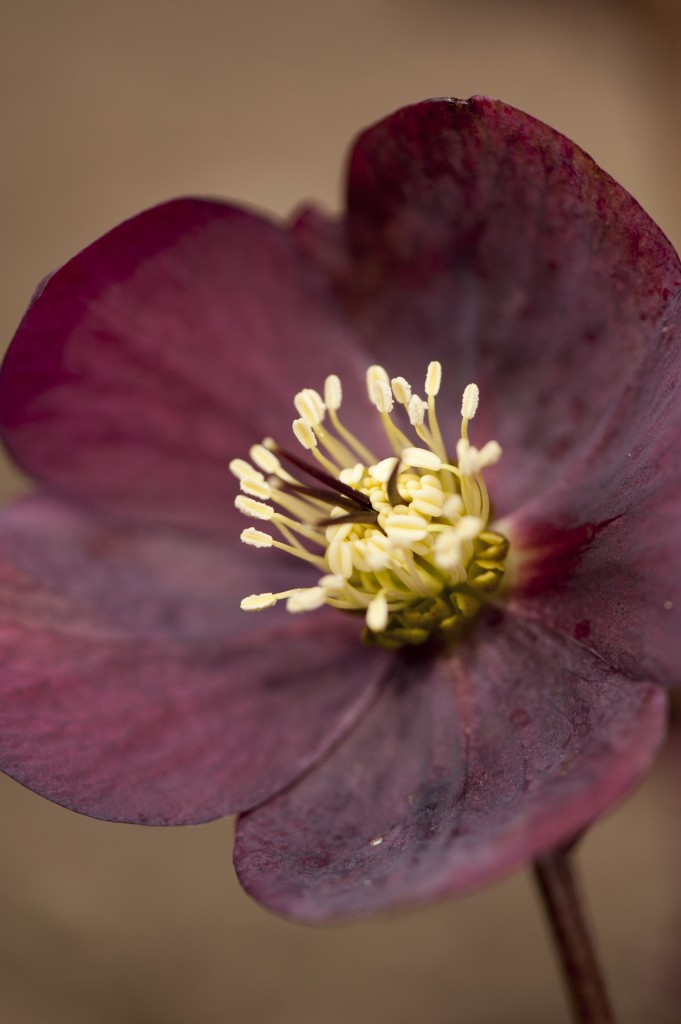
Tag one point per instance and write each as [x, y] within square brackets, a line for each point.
[404, 527]
[264, 459]
[433, 378]
[447, 550]
[428, 500]
[453, 507]
[256, 602]
[338, 533]
[379, 499]
[471, 461]
[490, 453]
[331, 582]
[359, 554]
[382, 396]
[254, 509]
[408, 485]
[336, 513]
[304, 434]
[383, 470]
[375, 375]
[333, 392]
[467, 457]
[469, 402]
[417, 410]
[401, 390]
[469, 527]
[378, 552]
[243, 470]
[306, 600]
[377, 613]
[256, 488]
[353, 475]
[310, 406]
[339, 559]
[421, 458]
[256, 538]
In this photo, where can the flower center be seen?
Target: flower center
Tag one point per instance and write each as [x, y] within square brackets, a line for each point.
[404, 540]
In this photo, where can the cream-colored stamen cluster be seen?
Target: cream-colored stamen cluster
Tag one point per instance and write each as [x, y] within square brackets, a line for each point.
[402, 539]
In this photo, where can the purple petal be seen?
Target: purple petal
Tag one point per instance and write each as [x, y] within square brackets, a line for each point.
[163, 350]
[601, 553]
[159, 584]
[483, 238]
[120, 696]
[469, 765]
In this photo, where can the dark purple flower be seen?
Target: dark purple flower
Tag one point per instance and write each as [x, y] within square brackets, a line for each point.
[132, 686]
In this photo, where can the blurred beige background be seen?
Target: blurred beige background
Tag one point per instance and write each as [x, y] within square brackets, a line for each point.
[108, 108]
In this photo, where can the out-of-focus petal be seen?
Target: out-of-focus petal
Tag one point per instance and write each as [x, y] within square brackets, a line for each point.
[601, 552]
[468, 766]
[162, 351]
[483, 238]
[160, 584]
[121, 698]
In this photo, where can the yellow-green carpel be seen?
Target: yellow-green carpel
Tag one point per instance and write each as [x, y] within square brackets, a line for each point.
[404, 539]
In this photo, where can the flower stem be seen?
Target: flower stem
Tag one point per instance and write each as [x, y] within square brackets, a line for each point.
[586, 988]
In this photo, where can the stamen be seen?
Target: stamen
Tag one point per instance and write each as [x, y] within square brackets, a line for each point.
[377, 613]
[256, 602]
[333, 396]
[333, 393]
[433, 379]
[453, 506]
[404, 528]
[404, 539]
[382, 397]
[421, 458]
[384, 469]
[265, 459]
[310, 406]
[306, 600]
[432, 388]
[417, 410]
[469, 402]
[256, 538]
[253, 508]
[401, 390]
[256, 488]
[304, 434]
[490, 453]
[375, 375]
[449, 546]
[352, 476]
[243, 470]
[472, 461]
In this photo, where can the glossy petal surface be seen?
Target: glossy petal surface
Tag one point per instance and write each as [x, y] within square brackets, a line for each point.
[121, 698]
[465, 768]
[483, 238]
[602, 550]
[165, 349]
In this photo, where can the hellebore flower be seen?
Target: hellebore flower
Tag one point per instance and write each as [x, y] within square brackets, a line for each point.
[477, 242]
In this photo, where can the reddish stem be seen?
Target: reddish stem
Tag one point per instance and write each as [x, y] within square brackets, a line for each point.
[583, 978]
